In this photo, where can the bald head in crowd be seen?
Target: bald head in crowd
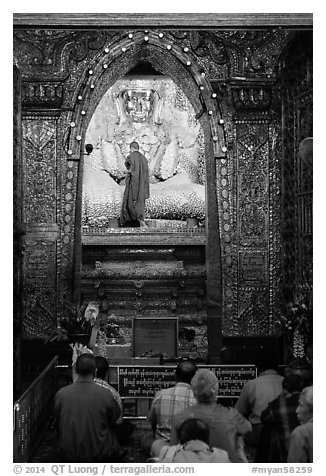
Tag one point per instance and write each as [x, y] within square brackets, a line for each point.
[204, 385]
[185, 371]
[86, 365]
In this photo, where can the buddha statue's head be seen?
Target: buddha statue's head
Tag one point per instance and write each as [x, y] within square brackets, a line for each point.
[138, 105]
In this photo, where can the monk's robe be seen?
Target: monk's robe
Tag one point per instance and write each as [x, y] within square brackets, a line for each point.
[137, 188]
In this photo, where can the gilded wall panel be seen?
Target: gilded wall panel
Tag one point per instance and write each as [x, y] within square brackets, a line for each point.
[39, 285]
[252, 140]
[40, 216]
[253, 310]
[39, 155]
[252, 144]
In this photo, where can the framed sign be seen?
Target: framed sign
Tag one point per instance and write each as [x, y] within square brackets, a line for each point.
[155, 336]
[231, 378]
[139, 381]
[143, 382]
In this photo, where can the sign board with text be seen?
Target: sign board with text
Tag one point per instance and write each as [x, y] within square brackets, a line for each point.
[143, 382]
[155, 336]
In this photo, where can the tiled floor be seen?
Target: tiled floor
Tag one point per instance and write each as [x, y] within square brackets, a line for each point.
[44, 451]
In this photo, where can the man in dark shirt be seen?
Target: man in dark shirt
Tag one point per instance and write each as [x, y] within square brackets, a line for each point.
[279, 420]
[256, 394]
[84, 415]
[122, 428]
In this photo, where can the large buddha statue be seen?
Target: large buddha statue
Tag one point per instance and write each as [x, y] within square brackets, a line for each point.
[170, 146]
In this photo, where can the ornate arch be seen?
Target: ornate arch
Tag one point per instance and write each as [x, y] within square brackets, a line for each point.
[111, 62]
[118, 56]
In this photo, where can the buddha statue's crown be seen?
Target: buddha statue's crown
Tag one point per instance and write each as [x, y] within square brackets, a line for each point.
[146, 93]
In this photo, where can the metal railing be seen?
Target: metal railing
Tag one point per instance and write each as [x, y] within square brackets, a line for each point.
[32, 412]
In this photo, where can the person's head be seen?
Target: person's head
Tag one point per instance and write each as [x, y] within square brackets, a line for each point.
[265, 360]
[134, 146]
[302, 368]
[305, 407]
[185, 371]
[85, 365]
[205, 386]
[102, 367]
[193, 429]
[293, 383]
[306, 151]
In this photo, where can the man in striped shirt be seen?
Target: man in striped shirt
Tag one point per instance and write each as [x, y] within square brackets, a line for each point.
[169, 401]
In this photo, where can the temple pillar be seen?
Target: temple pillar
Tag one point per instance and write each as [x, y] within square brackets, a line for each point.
[18, 233]
[256, 204]
[40, 181]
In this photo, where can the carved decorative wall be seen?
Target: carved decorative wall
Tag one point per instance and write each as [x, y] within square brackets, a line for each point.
[229, 78]
[254, 167]
[40, 170]
[297, 97]
[40, 212]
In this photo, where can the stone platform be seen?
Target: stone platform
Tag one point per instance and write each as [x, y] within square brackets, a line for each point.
[155, 271]
[140, 272]
[158, 232]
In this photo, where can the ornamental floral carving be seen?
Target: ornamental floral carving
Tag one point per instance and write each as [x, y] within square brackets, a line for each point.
[39, 132]
[40, 171]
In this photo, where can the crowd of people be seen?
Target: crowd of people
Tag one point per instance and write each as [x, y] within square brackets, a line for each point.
[271, 420]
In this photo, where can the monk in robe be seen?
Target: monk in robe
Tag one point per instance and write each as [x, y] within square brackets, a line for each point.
[137, 188]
